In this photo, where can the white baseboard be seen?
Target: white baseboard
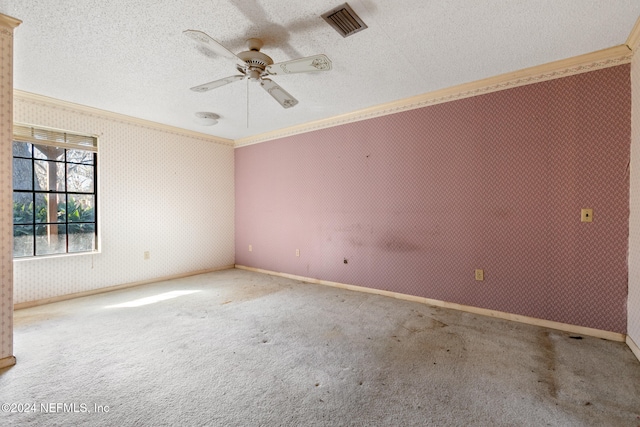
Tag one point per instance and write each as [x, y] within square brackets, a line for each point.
[35, 303]
[5, 362]
[565, 327]
[634, 347]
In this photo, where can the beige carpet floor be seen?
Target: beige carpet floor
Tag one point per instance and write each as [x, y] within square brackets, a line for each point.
[236, 348]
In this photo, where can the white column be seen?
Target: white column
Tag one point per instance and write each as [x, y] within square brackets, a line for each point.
[7, 24]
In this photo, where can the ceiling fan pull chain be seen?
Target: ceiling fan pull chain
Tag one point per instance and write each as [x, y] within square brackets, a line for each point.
[247, 103]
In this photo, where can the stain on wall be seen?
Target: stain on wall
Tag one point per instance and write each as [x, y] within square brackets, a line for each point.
[417, 200]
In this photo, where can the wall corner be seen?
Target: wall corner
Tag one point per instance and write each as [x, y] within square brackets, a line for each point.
[633, 41]
[633, 263]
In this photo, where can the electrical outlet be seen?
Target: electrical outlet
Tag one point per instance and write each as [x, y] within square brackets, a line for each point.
[586, 215]
[297, 252]
[479, 274]
[147, 255]
[250, 248]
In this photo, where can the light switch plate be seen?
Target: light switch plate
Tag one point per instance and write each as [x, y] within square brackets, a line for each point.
[479, 274]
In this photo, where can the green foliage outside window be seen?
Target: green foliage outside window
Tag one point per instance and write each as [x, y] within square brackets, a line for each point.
[54, 199]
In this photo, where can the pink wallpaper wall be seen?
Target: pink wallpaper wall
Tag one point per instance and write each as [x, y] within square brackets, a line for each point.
[417, 200]
[633, 328]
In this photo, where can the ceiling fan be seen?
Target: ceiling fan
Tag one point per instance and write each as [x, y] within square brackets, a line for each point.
[256, 66]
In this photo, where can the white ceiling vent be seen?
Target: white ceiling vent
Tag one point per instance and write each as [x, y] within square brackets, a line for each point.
[344, 20]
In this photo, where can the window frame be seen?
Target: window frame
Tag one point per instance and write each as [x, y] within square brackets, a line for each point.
[66, 141]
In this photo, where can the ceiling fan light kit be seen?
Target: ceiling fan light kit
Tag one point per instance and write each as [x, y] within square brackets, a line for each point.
[257, 66]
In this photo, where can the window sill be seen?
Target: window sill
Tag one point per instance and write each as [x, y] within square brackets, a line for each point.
[33, 258]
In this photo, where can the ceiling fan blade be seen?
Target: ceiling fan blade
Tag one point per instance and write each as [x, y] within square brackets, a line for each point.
[283, 97]
[204, 40]
[216, 83]
[301, 65]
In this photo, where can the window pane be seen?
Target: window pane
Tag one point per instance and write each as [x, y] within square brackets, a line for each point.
[22, 174]
[54, 199]
[23, 208]
[50, 207]
[21, 149]
[82, 237]
[81, 208]
[49, 176]
[22, 240]
[51, 239]
[80, 156]
[80, 178]
[46, 152]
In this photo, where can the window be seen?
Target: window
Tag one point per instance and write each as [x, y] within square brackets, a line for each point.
[54, 192]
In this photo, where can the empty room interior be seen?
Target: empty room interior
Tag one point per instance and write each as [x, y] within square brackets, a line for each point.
[271, 212]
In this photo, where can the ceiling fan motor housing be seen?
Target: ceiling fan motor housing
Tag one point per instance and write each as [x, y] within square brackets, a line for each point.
[256, 62]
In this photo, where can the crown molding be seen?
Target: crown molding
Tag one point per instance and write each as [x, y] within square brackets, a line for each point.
[117, 117]
[633, 41]
[605, 58]
[8, 21]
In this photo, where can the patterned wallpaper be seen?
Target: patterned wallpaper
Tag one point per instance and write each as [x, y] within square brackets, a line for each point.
[633, 305]
[417, 200]
[6, 199]
[162, 192]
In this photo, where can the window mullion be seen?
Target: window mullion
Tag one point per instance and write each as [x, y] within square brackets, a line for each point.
[66, 203]
[81, 180]
[33, 201]
[95, 197]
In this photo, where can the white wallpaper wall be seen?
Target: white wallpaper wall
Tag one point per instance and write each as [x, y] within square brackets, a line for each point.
[633, 302]
[167, 193]
[6, 211]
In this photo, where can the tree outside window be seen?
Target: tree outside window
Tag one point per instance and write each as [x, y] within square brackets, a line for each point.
[54, 199]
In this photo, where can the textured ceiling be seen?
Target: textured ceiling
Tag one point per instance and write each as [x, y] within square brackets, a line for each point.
[132, 58]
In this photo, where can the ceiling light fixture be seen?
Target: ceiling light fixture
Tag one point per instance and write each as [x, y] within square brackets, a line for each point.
[205, 118]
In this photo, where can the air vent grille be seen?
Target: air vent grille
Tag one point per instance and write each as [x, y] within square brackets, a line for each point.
[344, 20]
